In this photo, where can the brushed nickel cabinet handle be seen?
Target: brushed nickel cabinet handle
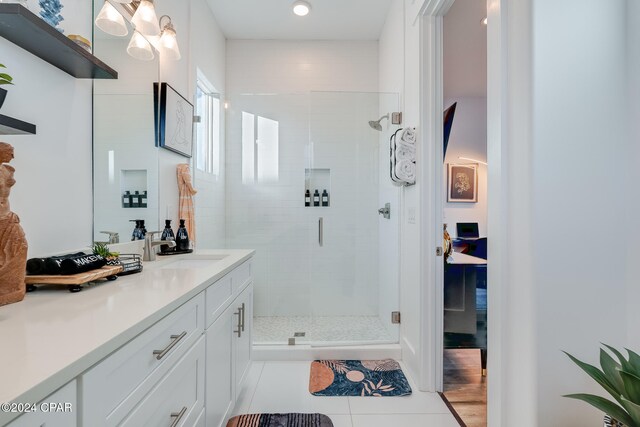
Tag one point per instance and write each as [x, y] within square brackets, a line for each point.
[239, 314]
[178, 416]
[175, 339]
[321, 231]
[242, 310]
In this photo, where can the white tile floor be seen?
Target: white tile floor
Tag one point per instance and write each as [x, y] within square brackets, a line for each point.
[278, 387]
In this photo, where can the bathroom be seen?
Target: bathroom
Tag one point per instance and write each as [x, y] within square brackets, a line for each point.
[294, 208]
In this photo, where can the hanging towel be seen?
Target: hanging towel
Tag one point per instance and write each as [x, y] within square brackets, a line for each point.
[406, 171]
[186, 190]
[408, 136]
[405, 152]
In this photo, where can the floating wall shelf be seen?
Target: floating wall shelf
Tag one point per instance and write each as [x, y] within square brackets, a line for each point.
[25, 29]
[11, 126]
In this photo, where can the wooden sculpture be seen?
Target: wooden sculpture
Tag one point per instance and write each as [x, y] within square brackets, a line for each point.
[13, 244]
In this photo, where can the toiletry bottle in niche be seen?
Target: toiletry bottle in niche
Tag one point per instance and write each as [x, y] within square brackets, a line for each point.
[126, 199]
[307, 198]
[167, 234]
[325, 198]
[316, 198]
[136, 200]
[182, 238]
[143, 199]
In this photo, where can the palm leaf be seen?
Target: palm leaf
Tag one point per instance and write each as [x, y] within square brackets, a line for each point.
[597, 375]
[2, 66]
[633, 410]
[606, 406]
[611, 369]
[631, 386]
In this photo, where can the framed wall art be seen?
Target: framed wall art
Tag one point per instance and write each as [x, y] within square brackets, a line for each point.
[174, 120]
[462, 183]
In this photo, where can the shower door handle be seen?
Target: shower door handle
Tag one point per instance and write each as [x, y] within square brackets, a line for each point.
[321, 231]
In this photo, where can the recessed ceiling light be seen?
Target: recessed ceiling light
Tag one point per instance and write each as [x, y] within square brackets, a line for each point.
[484, 21]
[301, 8]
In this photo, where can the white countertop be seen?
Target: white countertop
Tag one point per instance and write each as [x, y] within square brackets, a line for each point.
[460, 258]
[52, 336]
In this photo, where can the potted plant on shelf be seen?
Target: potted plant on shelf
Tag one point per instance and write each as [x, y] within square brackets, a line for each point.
[5, 79]
[621, 379]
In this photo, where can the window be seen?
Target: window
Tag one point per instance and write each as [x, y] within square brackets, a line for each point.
[260, 149]
[208, 129]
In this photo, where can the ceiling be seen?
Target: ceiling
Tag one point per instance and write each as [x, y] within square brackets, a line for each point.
[274, 19]
[465, 50]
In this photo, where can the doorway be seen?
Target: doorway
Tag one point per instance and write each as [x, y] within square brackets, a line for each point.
[464, 190]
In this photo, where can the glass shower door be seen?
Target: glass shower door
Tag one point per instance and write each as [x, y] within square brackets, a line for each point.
[354, 254]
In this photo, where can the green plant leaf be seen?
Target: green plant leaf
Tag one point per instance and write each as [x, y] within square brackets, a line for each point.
[597, 375]
[634, 363]
[633, 410]
[606, 406]
[623, 361]
[612, 369]
[631, 386]
[2, 66]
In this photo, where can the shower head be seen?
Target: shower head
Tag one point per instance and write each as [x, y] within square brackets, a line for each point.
[375, 124]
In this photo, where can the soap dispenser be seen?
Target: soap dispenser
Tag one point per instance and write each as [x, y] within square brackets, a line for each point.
[182, 238]
[167, 234]
[137, 231]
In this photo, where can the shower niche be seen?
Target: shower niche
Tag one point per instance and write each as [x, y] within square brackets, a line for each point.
[317, 188]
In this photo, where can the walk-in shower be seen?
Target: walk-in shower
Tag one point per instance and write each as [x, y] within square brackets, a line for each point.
[305, 180]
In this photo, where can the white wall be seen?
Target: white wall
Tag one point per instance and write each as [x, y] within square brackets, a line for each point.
[468, 139]
[633, 252]
[560, 193]
[53, 168]
[271, 216]
[209, 58]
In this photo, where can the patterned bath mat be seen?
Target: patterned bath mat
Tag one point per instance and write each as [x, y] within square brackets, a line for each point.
[358, 378]
[280, 420]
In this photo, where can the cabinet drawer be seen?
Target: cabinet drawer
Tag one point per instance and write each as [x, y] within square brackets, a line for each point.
[241, 276]
[63, 414]
[116, 385]
[178, 399]
[218, 296]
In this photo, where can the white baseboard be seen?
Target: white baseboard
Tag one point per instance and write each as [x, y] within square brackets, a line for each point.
[307, 352]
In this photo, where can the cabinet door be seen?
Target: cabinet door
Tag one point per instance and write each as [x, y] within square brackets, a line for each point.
[244, 304]
[58, 410]
[220, 362]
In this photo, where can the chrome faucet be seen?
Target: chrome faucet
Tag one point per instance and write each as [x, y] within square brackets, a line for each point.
[114, 237]
[150, 245]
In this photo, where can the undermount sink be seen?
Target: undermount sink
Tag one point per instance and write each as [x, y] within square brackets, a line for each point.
[194, 262]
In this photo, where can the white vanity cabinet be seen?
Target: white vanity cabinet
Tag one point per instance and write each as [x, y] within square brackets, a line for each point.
[57, 410]
[185, 370]
[228, 344]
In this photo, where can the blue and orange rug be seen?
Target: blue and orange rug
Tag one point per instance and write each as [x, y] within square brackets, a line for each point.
[280, 420]
[377, 378]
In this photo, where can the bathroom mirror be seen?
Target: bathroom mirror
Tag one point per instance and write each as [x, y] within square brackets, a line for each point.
[125, 159]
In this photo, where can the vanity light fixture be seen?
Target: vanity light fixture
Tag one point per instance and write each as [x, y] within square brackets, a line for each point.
[111, 21]
[140, 48]
[145, 19]
[301, 8]
[168, 40]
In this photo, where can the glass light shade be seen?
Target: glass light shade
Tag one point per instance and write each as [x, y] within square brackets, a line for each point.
[169, 44]
[140, 48]
[110, 21]
[145, 19]
[301, 8]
